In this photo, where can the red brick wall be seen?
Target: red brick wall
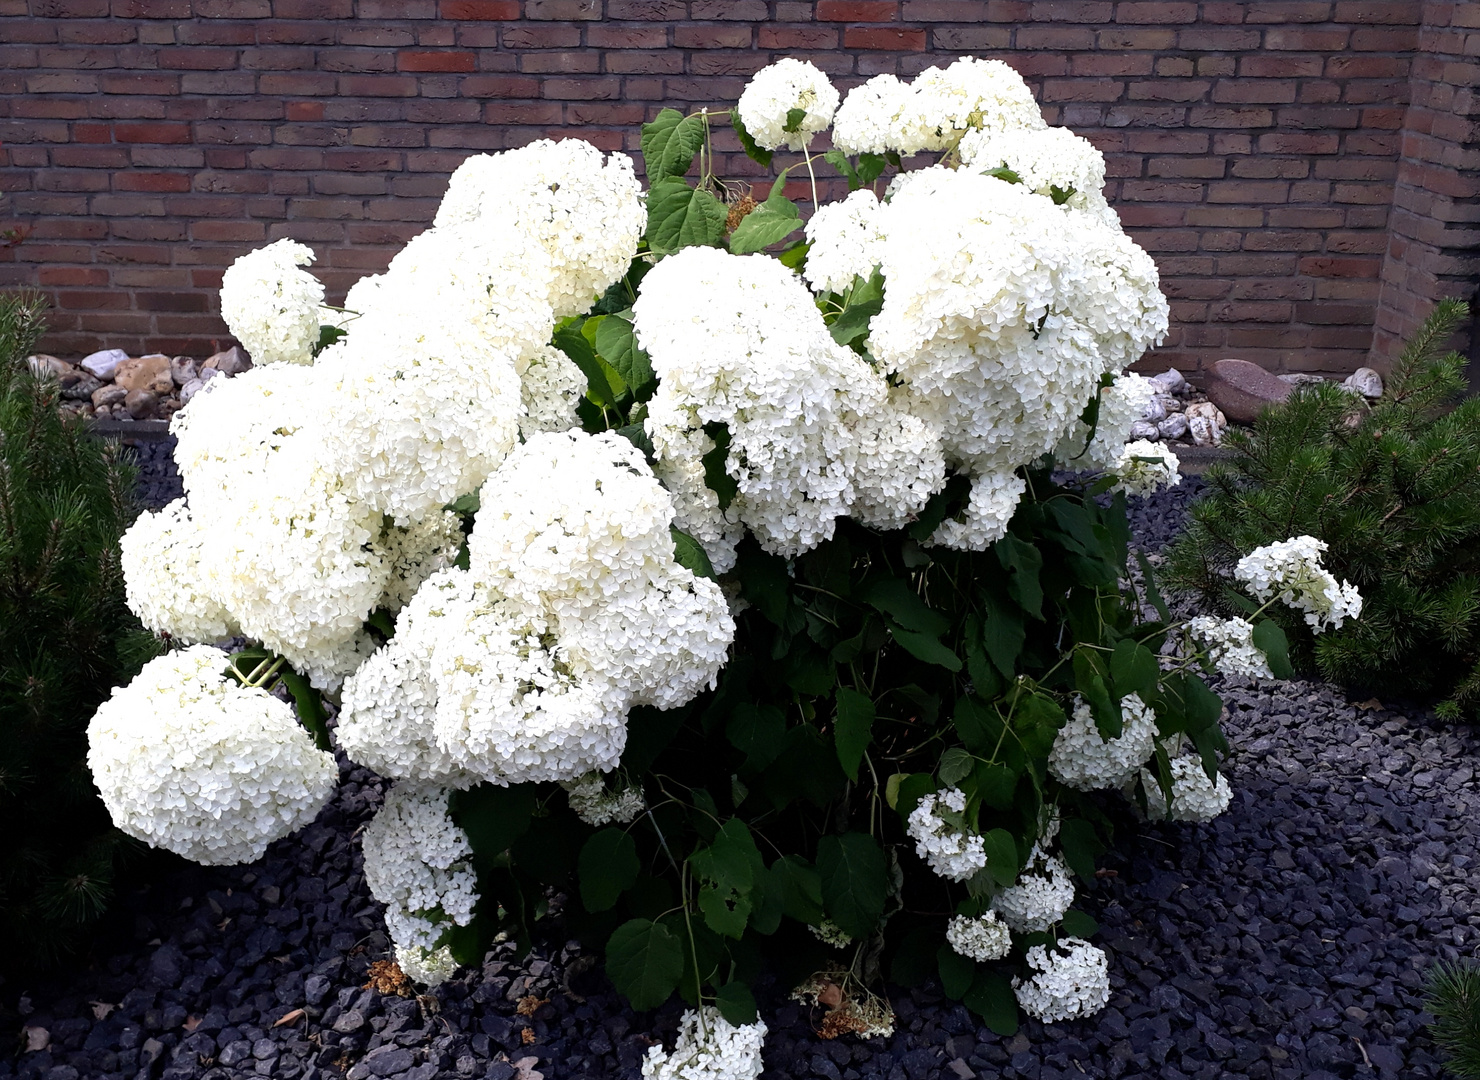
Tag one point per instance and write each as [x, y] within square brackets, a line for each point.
[1252, 146]
[1434, 242]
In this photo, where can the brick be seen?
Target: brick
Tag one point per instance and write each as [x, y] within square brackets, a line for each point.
[563, 10]
[857, 11]
[891, 40]
[1321, 266]
[1159, 14]
[707, 36]
[152, 133]
[417, 60]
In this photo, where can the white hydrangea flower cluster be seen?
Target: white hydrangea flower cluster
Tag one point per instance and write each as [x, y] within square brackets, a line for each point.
[572, 611]
[1195, 798]
[1291, 570]
[190, 761]
[318, 491]
[774, 92]
[936, 110]
[1121, 405]
[815, 433]
[1082, 759]
[846, 240]
[271, 306]
[418, 863]
[596, 806]
[980, 937]
[709, 1047]
[1070, 981]
[164, 570]
[1043, 158]
[1230, 645]
[941, 838]
[1146, 467]
[1040, 897]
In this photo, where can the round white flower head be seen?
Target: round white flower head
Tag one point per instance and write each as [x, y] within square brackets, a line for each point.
[1291, 569]
[595, 805]
[941, 836]
[189, 761]
[708, 1048]
[1230, 645]
[994, 499]
[411, 420]
[1146, 467]
[164, 582]
[831, 934]
[271, 306]
[871, 119]
[1042, 894]
[981, 937]
[430, 967]
[549, 391]
[1121, 404]
[583, 208]
[845, 238]
[971, 93]
[1043, 159]
[414, 553]
[775, 93]
[418, 863]
[738, 341]
[1195, 798]
[1083, 760]
[1068, 982]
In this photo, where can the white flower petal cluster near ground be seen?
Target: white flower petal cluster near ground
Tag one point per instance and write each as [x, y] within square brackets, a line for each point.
[1083, 759]
[1195, 797]
[1146, 467]
[941, 840]
[979, 937]
[709, 1047]
[1069, 981]
[1230, 646]
[188, 760]
[1291, 570]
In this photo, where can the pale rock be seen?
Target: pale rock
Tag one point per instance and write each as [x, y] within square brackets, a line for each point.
[144, 372]
[232, 361]
[183, 369]
[140, 404]
[1155, 411]
[42, 364]
[1206, 423]
[1300, 378]
[102, 364]
[1169, 403]
[1174, 426]
[1143, 430]
[190, 389]
[108, 395]
[1171, 381]
[1366, 382]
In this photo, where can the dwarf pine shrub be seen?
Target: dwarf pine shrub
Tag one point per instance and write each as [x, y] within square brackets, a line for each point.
[66, 638]
[1393, 489]
[1452, 995]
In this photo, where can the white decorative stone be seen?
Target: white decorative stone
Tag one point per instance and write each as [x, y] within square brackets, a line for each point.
[104, 363]
[1205, 423]
[1171, 381]
[1155, 411]
[1141, 429]
[1366, 382]
[1173, 427]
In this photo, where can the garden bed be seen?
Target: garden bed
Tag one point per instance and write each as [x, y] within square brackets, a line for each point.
[1285, 940]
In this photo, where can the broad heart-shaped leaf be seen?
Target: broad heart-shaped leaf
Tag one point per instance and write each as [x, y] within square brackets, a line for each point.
[607, 867]
[644, 960]
[747, 141]
[603, 384]
[617, 344]
[1003, 635]
[759, 731]
[1078, 924]
[1271, 641]
[955, 765]
[801, 888]
[493, 817]
[726, 910]
[855, 882]
[895, 598]
[991, 998]
[1090, 682]
[1081, 846]
[852, 729]
[736, 1003]
[732, 859]
[670, 142]
[869, 167]
[839, 160]
[680, 216]
[995, 784]
[922, 647]
[769, 223]
[690, 554]
[1133, 668]
[1023, 562]
[794, 118]
[956, 972]
[865, 300]
[1002, 856]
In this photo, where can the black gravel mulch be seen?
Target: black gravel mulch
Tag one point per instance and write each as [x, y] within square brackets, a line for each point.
[1286, 940]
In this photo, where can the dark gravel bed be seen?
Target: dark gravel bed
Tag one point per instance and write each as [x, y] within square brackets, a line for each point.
[159, 481]
[1286, 940]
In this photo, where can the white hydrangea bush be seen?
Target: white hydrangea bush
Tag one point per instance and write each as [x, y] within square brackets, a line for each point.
[621, 547]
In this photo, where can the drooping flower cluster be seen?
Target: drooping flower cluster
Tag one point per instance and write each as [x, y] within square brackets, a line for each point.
[1146, 467]
[709, 1047]
[573, 610]
[1083, 759]
[1291, 570]
[1121, 405]
[1069, 981]
[1041, 895]
[271, 306]
[941, 837]
[981, 937]
[1195, 797]
[596, 806]
[846, 239]
[1230, 646]
[188, 760]
[418, 863]
[771, 100]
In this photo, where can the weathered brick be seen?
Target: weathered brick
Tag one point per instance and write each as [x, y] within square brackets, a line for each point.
[887, 39]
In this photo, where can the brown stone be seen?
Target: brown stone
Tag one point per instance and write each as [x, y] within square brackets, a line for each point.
[1243, 390]
[108, 394]
[140, 404]
[143, 372]
[232, 361]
